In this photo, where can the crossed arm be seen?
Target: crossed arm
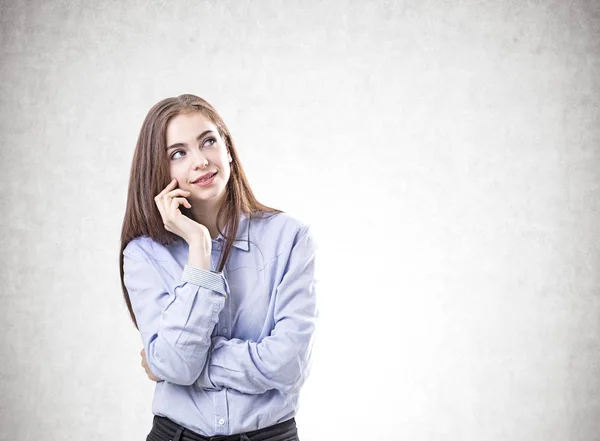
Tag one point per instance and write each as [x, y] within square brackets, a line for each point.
[279, 361]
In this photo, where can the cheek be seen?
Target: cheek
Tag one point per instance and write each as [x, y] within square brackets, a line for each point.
[227, 168]
[179, 174]
[226, 173]
[225, 165]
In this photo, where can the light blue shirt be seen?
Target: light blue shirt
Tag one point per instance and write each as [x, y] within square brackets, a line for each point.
[234, 347]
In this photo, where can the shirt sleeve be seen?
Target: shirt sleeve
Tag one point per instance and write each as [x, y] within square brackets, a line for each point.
[175, 328]
[281, 360]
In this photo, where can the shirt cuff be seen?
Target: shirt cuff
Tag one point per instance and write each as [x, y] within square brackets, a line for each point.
[206, 279]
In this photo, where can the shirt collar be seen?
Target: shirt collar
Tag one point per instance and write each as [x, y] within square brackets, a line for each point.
[242, 239]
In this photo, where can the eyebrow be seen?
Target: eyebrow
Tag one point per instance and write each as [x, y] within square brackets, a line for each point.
[198, 138]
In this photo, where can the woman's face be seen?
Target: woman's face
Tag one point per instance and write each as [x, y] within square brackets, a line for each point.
[195, 150]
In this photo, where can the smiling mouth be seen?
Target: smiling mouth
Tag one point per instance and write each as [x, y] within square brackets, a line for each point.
[205, 179]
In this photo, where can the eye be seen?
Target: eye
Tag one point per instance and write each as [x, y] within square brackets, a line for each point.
[208, 142]
[175, 152]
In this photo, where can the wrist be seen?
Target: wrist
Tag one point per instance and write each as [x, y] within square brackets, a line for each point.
[198, 242]
[199, 255]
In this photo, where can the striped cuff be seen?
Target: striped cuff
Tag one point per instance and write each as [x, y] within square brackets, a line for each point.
[205, 279]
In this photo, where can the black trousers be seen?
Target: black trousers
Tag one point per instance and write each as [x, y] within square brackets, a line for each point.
[163, 429]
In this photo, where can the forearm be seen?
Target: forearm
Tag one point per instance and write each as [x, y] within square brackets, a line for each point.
[255, 368]
[175, 325]
[177, 352]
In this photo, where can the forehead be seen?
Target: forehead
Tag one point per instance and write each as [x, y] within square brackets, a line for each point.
[187, 126]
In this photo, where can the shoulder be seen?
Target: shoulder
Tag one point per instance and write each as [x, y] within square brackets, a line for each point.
[280, 225]
[147, 248]
[280, 232]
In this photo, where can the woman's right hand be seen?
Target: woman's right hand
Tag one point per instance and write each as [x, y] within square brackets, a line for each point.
[168, 202]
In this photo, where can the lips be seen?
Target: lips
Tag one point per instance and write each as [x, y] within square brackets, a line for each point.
[204, 177]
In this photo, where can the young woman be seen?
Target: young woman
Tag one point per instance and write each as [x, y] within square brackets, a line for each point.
[220, 287]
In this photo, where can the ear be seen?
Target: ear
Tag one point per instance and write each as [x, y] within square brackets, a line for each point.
[229, 157]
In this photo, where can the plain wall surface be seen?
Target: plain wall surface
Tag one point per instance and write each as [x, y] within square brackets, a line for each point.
[446, 154]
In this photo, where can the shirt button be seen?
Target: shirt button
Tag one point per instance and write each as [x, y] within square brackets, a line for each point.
[221, 421]
[224, 330]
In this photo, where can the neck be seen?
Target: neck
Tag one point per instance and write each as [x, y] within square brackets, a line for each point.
[205, 213]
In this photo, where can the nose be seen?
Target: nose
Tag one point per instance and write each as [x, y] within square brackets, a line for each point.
[200, 160]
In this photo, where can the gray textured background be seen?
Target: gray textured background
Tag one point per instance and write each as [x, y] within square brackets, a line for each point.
[446, 154]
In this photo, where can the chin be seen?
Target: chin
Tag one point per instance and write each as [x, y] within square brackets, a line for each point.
[209, 194]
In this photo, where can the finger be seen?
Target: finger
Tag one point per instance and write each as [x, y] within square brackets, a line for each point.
[164, 191]
[162, 202]
[178, 191]
[151, 376]
[176, 202]
[168, 188]
[174, 208]
[173, 193]
[160, 205]
[183, 201]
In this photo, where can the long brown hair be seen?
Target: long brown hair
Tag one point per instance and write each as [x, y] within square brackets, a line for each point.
[150, 175]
